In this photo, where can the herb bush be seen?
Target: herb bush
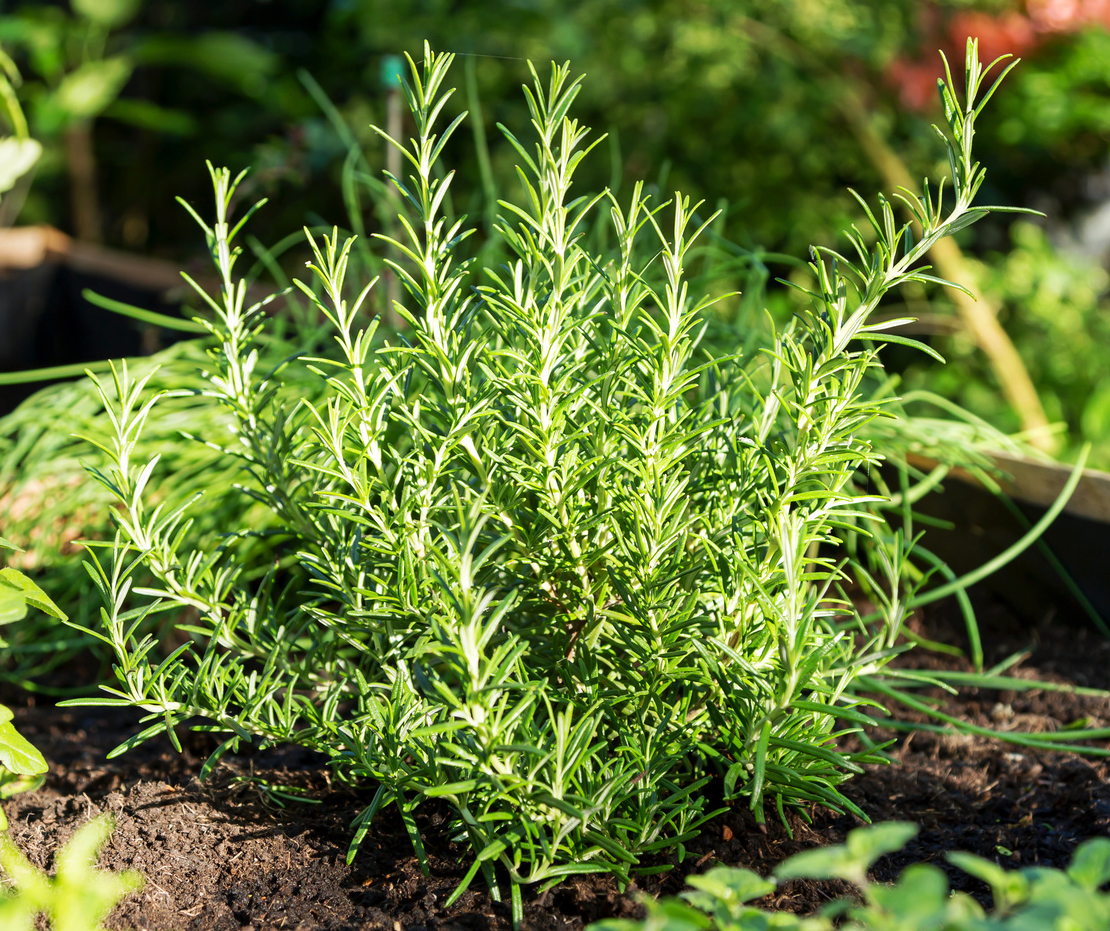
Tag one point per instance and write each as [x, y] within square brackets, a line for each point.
[545, 555]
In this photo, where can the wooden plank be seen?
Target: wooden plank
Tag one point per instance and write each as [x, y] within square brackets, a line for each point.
[25, 247]
[1040, 483]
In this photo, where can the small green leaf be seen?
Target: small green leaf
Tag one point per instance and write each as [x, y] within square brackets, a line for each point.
[111, 14]
[29, 591]
[17, 157]
[963, 222]
[87, 91]
[1007, 888]
[17, 754]
[732, 885]
[868, 844]
[819, 863]
[452, 788]
[1090, 865]
[11, 784]
[734, 772]
[13, 604]
[675, 915]
[919, 900]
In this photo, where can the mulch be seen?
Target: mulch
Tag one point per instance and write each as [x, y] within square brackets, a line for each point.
[222, 856]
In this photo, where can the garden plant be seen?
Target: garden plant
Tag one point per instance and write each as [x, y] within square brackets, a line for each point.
[1042, 898]
[22, 768]
[552, 554]
[78, 897]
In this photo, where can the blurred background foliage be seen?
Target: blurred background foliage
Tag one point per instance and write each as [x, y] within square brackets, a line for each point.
[768, 109]
[733, 99]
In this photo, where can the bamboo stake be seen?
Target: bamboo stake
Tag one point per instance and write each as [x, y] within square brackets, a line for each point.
[81, 164]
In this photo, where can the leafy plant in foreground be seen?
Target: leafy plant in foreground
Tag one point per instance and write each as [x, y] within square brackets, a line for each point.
[1036, 897]
[545, 558]
[17, 593]
[78, 897]
[22, 767]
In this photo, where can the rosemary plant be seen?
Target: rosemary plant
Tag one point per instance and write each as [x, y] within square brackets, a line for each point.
[544, 556]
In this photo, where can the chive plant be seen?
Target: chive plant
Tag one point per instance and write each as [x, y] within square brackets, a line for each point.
[544, 555]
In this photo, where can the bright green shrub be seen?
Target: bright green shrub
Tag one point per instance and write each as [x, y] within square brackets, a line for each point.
[542, 556]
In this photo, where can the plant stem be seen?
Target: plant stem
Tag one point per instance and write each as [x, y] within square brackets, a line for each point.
[978, 316]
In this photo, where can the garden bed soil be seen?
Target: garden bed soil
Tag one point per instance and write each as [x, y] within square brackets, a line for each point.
[222, 856]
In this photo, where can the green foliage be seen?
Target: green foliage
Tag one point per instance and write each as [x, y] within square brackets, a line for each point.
[78, 897]
[545, 556]
[1033, 898]
[81, 63]
[51, 506]
[18, 152]
[78, 65]
[78, 77]
[22, 767]
[1059, 112]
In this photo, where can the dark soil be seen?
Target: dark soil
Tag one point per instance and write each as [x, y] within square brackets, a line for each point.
[223, 857]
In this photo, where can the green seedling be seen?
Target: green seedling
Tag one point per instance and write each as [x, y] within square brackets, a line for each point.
[22, 767]
[1034, 899]
[18, 593]
[78, 897]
